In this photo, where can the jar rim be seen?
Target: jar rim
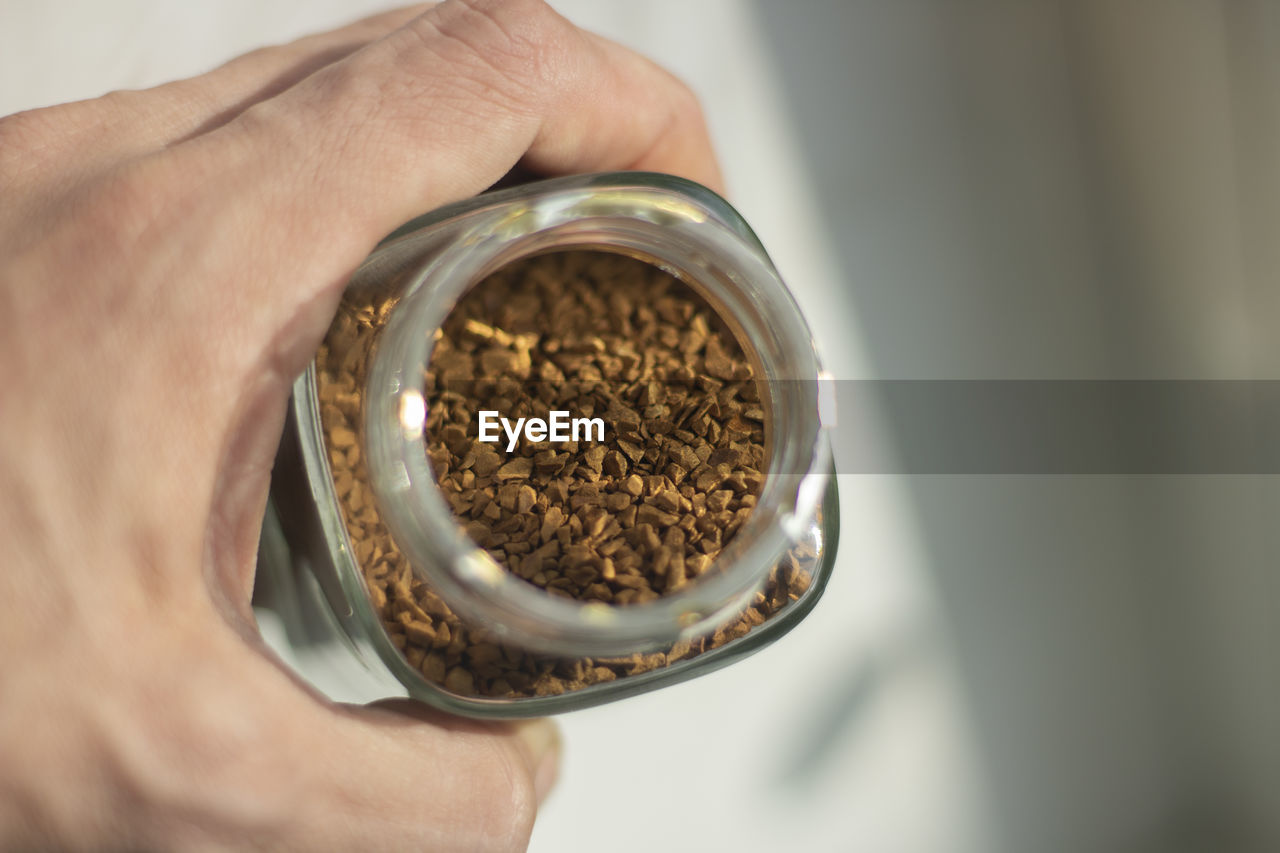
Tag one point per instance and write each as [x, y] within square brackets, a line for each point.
[668, 224]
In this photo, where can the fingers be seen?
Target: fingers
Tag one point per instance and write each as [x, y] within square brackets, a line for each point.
[399, 776]
[538, 741]
[242, 237]
[660, 126]
[447, 104]
[128, 123]
[436, 111]
[176, 110]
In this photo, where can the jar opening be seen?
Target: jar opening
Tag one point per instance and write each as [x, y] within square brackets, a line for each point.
[740, 286]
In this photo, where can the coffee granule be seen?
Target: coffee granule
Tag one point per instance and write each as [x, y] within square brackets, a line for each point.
[652, 469]
[597, 334]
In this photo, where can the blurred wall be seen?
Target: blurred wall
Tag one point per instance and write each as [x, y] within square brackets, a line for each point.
[1075, 189]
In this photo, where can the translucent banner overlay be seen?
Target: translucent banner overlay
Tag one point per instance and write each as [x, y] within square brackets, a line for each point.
[997, 427]
[1175, 427]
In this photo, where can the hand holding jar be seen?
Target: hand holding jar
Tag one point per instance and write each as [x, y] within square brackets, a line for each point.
[171, 259]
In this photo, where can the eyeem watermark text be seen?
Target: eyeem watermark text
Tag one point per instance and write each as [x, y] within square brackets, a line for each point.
[561, 427]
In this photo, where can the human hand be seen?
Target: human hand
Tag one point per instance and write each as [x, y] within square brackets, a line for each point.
[169, 260]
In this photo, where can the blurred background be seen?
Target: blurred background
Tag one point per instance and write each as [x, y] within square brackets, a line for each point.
[991, 189]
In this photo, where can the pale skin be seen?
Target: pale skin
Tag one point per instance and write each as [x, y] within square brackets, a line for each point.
[169, 260]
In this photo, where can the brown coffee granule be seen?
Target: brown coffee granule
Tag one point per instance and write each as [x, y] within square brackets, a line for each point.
[466, 659]
[597, 334]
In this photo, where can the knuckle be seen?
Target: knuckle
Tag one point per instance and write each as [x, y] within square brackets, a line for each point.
[682, 105]
[112, 220]
[34, 141]
[122, 204]
[685, 103]
[117, 108]
[517, 45]
[37, 127]
[22, 129]
[24, 140]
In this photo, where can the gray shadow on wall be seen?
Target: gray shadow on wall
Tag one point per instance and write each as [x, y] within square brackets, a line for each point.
[1038, 191]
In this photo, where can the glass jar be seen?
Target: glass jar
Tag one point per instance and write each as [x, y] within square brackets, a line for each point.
[773, 570]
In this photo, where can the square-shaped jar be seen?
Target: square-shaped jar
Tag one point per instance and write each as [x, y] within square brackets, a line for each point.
[363, 543]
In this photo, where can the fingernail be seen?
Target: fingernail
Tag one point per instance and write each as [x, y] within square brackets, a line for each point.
[542, 740]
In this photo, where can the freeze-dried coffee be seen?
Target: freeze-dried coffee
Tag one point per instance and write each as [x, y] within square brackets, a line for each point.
[604, 338]
[621, 518]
